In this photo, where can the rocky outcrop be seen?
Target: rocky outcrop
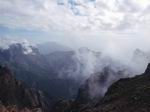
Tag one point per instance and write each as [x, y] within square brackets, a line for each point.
[16, 97]
[14, 108]
[92, 91]
[147, 71]
[95, 87]
[126, 95]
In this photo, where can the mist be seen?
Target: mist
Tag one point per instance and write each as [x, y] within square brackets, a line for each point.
[124, 54]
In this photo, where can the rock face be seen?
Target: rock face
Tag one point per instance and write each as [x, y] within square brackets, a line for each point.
[16, 97]
[147, 71]
[126, 95]
[41, 71]
[93, 90]
[96, 86]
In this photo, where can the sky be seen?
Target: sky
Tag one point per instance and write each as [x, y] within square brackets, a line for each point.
[99, 24]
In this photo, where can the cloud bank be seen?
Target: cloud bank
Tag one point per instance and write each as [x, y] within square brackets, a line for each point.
[75, 14]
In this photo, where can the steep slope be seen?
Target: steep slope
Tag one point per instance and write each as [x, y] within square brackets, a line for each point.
[92, 90]
[39, 71]
[126, 95]
[16, 97]
[96, 86]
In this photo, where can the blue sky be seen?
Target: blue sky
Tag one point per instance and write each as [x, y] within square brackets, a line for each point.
[31, 35]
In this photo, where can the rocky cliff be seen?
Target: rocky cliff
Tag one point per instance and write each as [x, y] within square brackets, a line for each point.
[16, 97]
[125, 95]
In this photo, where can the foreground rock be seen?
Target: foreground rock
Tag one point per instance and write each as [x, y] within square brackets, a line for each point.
[16, 97]
[127, 95]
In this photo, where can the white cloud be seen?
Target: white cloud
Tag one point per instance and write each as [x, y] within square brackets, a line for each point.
[75, 14]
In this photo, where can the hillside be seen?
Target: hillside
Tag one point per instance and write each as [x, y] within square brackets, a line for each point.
[15, 96]
[127, 95]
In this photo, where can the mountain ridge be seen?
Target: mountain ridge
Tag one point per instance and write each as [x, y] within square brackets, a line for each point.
[125, 95]
[15, 96]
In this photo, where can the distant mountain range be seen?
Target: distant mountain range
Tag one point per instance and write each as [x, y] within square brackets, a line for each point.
[53, 73]
[37, 70]
[59, 73]
[62, 73]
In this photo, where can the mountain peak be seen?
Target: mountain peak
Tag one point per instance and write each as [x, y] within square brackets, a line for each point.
[23, 48]
[24, 45]
[27, 47]
[147, 71]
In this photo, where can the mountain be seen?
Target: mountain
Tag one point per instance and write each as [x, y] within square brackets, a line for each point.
[140, 54]
[15, 96]
[81, 79]
[97, 84]
[59, 73]
[93, 89]
[40, 71]
[125, 95]
[49, 47]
